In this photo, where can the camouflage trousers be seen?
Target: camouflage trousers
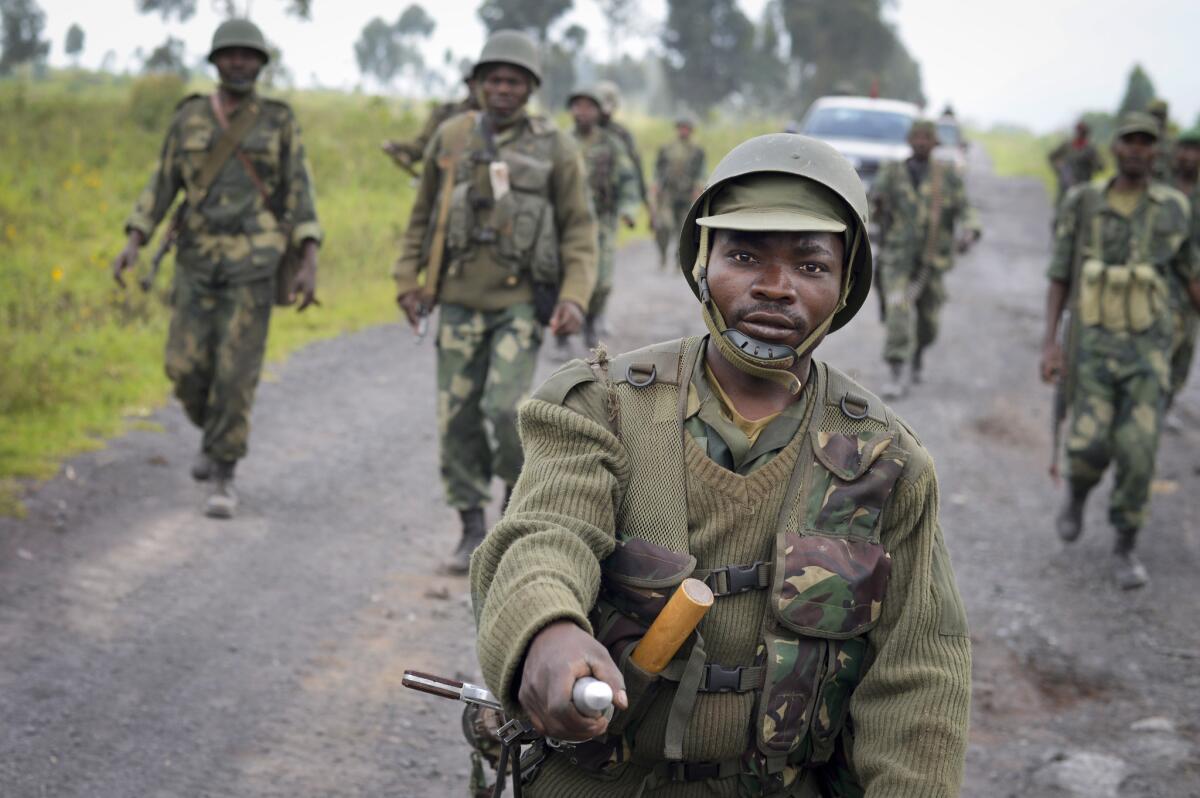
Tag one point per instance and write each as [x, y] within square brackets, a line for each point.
[485, 366]
[669, 214]
[214, 356]
[910, 326]
[1116, 415]
[606, 249]
[1183, 349]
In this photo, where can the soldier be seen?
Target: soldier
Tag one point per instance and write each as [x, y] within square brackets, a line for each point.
[678, 179]
[1160, 110]
[738, 459]
[239, 161]
[407, 154]
[610, 174]
[503, 235]
[610, 101]
[1075, 161]
[924, 201]
[1187, 180]
[1118, 248]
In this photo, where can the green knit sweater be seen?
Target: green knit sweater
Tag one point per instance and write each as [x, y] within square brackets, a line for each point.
[541, 564]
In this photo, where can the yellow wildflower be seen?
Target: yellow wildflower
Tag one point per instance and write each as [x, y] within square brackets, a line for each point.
[56, 274]
[10, 232]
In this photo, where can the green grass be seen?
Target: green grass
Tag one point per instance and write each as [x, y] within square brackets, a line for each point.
[81, 360]
[1016, 152]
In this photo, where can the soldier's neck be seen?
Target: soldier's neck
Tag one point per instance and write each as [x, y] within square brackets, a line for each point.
[500, 122]
[1129, 183]
[754, 397]
[231, 100]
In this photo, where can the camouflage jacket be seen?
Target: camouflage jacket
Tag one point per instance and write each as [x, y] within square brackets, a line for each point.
[1074, 165]
[903, 213]
[626, 137]
[232, 235]
[489, 262]
[679, 170]
[409, 153]
[610, 174]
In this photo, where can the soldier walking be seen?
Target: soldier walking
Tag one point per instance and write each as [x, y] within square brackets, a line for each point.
[1075, 161]
[239, 161]
[1119, 247]
[1187, 180]
[738, 459]
[613, 183]
[502, 236]
[408, 154]
[924, 202]
[678, 178]
[610, 100]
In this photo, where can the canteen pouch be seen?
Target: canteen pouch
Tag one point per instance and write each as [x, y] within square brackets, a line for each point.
[1114, 298]
[1146, 297]
[1091, 282]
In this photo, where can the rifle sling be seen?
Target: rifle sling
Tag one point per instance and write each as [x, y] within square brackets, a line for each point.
[237, 131]
[455, 137]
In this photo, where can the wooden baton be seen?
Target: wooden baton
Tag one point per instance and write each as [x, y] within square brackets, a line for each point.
[672, 626]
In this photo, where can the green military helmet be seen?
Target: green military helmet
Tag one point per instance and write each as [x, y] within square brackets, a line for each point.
[1137, 122]
[239, 33]
[1158, 108]
[467, 70]
[1189, 137]
[800, 156]
[589, 92]
[685, 118]
[514, 48]
[610, 96]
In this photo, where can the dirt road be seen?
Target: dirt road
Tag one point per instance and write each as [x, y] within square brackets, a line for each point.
[148, 651]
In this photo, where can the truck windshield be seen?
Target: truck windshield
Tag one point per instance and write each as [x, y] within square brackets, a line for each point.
[857, 123]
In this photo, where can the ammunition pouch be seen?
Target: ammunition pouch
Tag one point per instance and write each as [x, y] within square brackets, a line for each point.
[1121, 298]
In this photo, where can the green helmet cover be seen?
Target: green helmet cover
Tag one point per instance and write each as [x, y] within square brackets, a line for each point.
[514, 48]
[589, 92]
[610, 96]
[239, 33]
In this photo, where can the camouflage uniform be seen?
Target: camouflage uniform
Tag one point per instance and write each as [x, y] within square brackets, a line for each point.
[613, 182]
[1074, 164]
[228, 252]
[1187, 319]
[411, 153]
[626, 137]
[678, 176]
[903, 194]
[488, 336]
[1119, 373]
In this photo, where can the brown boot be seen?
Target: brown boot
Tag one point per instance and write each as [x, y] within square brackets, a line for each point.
[473, 531]
[1127, 568]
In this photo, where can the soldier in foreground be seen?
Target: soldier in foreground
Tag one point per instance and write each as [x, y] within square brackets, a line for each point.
[1187, 180]
[610, 101]
[239, 161]
[503, 236]
[737, 459]
[924, 202]
[678, 179]
[1075, 161]
[1119, 248]
[613, 183]
[408, 154]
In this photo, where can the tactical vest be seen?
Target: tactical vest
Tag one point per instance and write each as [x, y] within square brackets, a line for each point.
[1126, 297]
[600, 157]
[501, 197]
[827, 579]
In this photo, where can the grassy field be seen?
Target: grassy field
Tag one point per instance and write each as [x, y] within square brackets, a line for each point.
[81, 360]
[1019, 153]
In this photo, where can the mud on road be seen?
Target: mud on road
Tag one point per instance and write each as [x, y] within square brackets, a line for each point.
[149, 651]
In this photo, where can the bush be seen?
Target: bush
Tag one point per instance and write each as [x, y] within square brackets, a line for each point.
[152, 99]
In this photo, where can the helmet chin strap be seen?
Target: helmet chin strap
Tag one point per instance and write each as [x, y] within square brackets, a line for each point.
[760, 359]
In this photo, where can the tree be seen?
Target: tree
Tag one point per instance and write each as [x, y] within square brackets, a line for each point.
[21, 42]
[385, 51]
[414, 22]
[74, 43]
[167, 58]
[1139, 91]
[617, 14]
[183, 10]
[707, 44]
[533, 16]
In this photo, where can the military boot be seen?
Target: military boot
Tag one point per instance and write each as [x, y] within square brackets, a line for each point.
[473, 532]
[1069, 523]
[896, 387]
[222, 500]
[917, 362]
[1127, 568]
[202, 467]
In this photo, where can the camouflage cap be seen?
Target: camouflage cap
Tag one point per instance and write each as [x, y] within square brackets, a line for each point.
[769, 201]
[1136, 122]
[1190, 137]
[1158, 107]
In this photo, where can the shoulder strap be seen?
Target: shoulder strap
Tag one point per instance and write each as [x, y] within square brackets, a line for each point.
[936, 195]
[226, 146]
[657, 363]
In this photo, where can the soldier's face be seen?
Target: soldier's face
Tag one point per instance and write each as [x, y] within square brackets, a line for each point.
[238, 65]
[1134, 154]
[922, 143]
[1187, 159]
[506, 89]
[776, 286]
[585, 112]
[683, 131]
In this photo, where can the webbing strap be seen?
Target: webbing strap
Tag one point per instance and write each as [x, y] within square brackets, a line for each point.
[231, 136]
[684, 702]
[728, 580]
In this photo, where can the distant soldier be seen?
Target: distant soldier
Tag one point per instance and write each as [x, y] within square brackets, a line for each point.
[1163, 167]
[407, 154]
[1119, 247]
[610, 174]
[678, 179]
[1075, 161]
[502, 235]
[1187, 180]
[239, 161]
[925, 202]
[610, 101]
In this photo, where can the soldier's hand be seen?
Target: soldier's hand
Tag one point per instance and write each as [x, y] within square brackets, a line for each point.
[560, 654]
[127, 257]
[567, 319]
[413, 307]
[1052, 363]
[305, 283]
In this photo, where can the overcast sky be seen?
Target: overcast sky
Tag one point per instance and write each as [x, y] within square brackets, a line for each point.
[1032, 62]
